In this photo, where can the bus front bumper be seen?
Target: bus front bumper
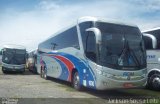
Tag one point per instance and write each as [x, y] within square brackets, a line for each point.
[107, 83]
[8, 67]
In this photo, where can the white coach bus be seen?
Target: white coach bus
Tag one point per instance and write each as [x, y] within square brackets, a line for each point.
[152, 44]
[13, 58]
[95, 53]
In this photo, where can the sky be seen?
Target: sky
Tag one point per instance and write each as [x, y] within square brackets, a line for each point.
[29, 22]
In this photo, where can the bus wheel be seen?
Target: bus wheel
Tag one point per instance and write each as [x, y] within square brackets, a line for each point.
[76, 81]
[45, 74]
[3, 70]
[154, 82]
[41, 73]
[22, 72]
[35, 70]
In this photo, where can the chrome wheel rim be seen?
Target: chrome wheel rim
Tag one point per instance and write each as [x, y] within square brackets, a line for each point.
[76, 80]
[45, 73]
[42, 73]
[156, 82]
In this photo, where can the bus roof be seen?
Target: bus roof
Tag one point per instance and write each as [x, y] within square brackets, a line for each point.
[153, 29]
[89, 18]
[13, 46]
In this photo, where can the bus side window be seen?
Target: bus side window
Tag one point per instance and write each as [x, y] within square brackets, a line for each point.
[53, 46]
[91, 46]
[148, 43]
[0, 52]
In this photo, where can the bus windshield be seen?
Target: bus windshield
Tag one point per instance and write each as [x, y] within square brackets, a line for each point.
[122, 47]
[14, 56]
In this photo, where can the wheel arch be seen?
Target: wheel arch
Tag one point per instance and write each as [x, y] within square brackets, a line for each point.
[153, 71]
[72, 73]
[80, 75]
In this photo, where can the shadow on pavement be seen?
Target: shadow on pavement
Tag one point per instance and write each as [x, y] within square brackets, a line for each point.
[27, 72]
[111, 93]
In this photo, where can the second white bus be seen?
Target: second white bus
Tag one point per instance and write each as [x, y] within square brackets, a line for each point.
[13, 58]
[152, 44]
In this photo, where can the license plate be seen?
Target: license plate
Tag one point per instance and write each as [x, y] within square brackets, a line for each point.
[127, 85]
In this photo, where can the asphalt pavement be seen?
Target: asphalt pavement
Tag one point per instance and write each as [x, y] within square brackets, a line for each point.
[30, 87]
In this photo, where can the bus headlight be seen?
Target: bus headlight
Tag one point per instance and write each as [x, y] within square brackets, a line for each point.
[100, 72]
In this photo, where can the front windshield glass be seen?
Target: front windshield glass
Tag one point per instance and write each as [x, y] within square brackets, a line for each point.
[122, 46]
[14, 56]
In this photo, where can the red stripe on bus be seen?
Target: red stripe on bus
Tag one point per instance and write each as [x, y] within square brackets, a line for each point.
[68, 64]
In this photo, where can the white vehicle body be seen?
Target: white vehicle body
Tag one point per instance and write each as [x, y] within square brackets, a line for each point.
[32, 61]
[13, 58]
[152, 42]
[75, 54]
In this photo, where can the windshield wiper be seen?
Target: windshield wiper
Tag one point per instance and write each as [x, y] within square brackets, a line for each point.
[133, 55]
[124, 51]
[127, 49]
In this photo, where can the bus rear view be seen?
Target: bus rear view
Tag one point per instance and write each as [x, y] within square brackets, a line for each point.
[13, 58]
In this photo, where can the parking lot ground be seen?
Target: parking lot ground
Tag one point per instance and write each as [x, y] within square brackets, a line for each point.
[28, 85]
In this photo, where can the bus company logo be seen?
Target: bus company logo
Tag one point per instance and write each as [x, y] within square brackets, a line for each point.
[128, 75]
[151, 56]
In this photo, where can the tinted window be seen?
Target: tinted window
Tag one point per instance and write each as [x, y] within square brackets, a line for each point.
[121, 46]
[68, 38]
[156, 33]
[148, 42]
[83, 27]
[14, 56]
[40, 52]
[91, 46]
[0, 52]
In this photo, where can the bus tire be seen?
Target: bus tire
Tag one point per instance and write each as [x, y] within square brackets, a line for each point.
[41, 73]
[45, 74]
[23, 71]
[154, 82]
[4, 72]
[35, 70]
[76, 81]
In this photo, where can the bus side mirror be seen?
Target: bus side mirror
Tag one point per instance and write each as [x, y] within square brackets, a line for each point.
[153, 38]
[98, 38]
[97, 33]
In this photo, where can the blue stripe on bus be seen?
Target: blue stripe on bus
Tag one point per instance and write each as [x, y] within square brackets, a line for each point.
[80, 66]
[64, 75]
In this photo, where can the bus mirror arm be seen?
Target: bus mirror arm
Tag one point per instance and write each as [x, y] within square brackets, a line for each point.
[97, 33]
[158, 60]
[154, 40]
[98, 37]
